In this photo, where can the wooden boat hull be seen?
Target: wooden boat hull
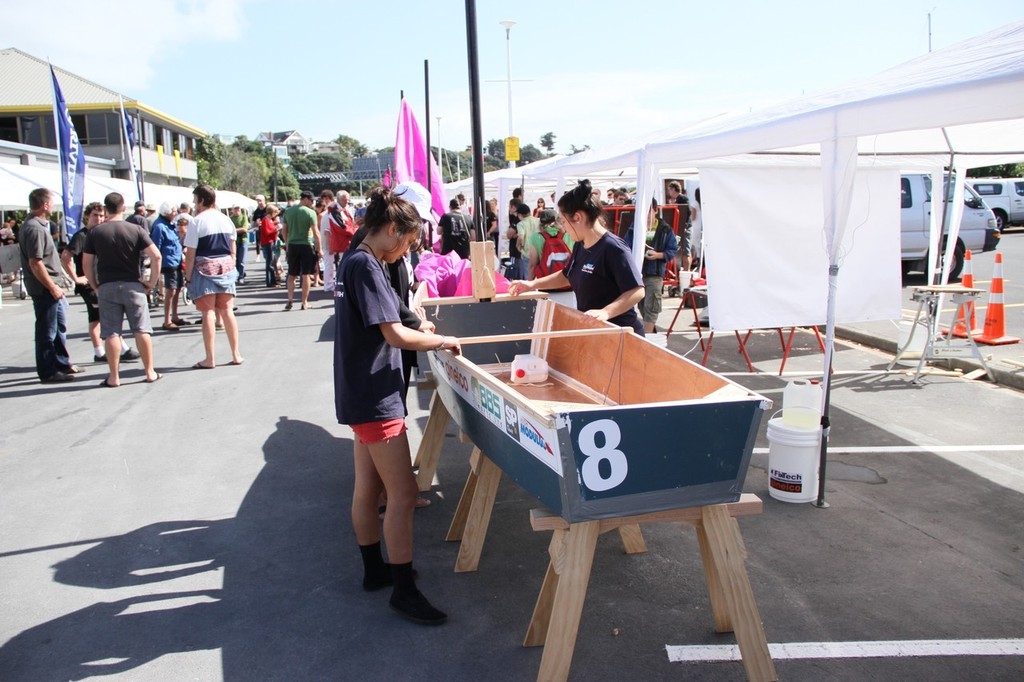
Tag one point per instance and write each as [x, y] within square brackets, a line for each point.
[622, 440]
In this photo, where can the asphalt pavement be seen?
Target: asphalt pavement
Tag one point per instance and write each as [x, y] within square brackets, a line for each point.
[198, 528]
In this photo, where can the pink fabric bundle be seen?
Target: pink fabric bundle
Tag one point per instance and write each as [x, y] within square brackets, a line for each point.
[450, 275]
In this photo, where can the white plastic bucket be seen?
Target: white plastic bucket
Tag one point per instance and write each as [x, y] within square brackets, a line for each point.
[801, 404]
[792, 462]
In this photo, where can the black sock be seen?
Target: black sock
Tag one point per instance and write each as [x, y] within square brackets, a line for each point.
[409, 601]
[375, 572]
[405, 581]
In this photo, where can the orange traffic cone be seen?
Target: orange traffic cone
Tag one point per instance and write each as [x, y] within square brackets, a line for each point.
[995, 319]
[963, 327]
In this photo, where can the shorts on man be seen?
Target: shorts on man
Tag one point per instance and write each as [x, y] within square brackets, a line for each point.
[119, 300]
[651, 306]
[301, 260]
[174, 278]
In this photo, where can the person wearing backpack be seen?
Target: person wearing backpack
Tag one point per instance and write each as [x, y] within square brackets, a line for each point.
[455, 231]
[600, 269]
[548, 248]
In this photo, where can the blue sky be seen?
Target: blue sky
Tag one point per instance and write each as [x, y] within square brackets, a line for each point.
[590, 72]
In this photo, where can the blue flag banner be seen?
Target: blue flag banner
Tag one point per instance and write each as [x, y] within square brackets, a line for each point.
[72, 161]
[129, 136]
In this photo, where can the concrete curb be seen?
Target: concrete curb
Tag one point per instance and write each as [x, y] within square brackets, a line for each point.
[1011, 378]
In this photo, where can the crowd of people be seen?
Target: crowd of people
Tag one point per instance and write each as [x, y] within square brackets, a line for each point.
[363, 258]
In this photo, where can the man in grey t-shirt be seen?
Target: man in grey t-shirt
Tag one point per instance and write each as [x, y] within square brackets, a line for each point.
[43, 281]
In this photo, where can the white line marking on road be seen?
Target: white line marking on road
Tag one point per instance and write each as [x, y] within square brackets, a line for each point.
[910, 449]
[890, 649]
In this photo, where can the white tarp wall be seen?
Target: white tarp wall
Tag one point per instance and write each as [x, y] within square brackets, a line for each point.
[768, 257]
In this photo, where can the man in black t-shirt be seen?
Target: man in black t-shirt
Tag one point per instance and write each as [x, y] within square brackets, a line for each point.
[455, 231]
[112, 256]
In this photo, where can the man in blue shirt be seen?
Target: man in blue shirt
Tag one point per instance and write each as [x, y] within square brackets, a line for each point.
[165, 238]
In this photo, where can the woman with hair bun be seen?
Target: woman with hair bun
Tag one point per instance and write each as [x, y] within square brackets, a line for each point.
[369, 396]
[601, 270]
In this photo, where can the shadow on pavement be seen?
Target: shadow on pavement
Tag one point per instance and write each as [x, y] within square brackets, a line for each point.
[286, 562]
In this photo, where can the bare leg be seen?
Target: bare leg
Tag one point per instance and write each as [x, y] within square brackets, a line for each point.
[391, 461]
[94, 335]
[225, 303]
[145, 345]
[113, 348]
[368, 487]
[205, 306]
[291, 289]
[305, 291]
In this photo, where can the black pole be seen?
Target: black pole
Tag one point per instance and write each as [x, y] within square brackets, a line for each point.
[823, 453]
[430, 157]
[479, 200]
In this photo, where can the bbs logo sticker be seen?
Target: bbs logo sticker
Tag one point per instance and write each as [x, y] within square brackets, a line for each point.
[512, 420]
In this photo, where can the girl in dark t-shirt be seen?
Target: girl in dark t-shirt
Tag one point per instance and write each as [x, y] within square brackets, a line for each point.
[368, 390]
[601, 270]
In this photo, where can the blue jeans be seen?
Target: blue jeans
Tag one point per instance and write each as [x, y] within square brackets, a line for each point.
[51, 335]
[240, 251]
[271, 271]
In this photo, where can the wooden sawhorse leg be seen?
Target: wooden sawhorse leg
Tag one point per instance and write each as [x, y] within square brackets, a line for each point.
[473, 515]
[429, 452]
[559, 607]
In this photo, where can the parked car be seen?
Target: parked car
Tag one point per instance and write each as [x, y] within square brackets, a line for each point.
[1005, 196]
[978, 227]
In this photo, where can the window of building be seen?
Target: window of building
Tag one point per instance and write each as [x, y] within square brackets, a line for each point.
[168, 142]
[78, 120]
[103, 128]
[9, 128]
[38, 131]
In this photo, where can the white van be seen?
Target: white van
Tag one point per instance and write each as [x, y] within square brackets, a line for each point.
[978, 231]
[1005, 196]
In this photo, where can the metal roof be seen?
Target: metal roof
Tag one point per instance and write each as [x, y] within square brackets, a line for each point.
[27, 87]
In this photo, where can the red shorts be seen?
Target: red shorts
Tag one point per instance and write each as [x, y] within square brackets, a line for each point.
[380, 431]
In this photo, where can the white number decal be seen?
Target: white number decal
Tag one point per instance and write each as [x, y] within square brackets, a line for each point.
[616, 459]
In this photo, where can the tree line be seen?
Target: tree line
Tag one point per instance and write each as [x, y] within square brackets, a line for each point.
[249, 167]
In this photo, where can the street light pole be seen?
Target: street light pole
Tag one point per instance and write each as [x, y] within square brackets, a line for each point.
[508, 24]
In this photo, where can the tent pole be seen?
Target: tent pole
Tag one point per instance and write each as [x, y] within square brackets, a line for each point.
[430, 156]
[830, 338]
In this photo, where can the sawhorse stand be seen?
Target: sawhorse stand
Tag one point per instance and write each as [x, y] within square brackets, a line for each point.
[556, 617]
[938, 346]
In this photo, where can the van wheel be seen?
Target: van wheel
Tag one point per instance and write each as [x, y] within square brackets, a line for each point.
[1000, 220]
[957, 266]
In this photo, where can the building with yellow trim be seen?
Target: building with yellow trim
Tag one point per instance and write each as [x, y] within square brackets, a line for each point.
[166, 146]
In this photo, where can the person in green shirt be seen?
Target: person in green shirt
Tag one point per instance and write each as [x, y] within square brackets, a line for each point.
[301, 235]
[241, 222]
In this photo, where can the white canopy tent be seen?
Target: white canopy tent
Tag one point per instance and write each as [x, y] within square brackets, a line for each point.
[17, 181]
[960, 106]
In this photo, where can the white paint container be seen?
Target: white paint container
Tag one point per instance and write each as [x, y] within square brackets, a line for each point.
[801, 404]
[529, 369]
[792, 462]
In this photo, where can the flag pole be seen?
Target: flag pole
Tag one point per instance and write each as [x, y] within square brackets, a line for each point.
[430, 157]
[479, 200]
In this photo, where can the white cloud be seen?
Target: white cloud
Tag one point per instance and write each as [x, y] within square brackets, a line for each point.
[115, 42]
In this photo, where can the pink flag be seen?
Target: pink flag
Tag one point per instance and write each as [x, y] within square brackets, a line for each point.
[411, 158]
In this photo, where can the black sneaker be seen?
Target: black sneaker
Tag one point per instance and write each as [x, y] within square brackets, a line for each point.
[417, 609]
[130, 355]
[99, 358]
[58, 378]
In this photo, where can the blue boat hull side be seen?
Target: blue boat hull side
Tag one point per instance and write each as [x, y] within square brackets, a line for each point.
[634, 460]
[507, 316]
[499, 444]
